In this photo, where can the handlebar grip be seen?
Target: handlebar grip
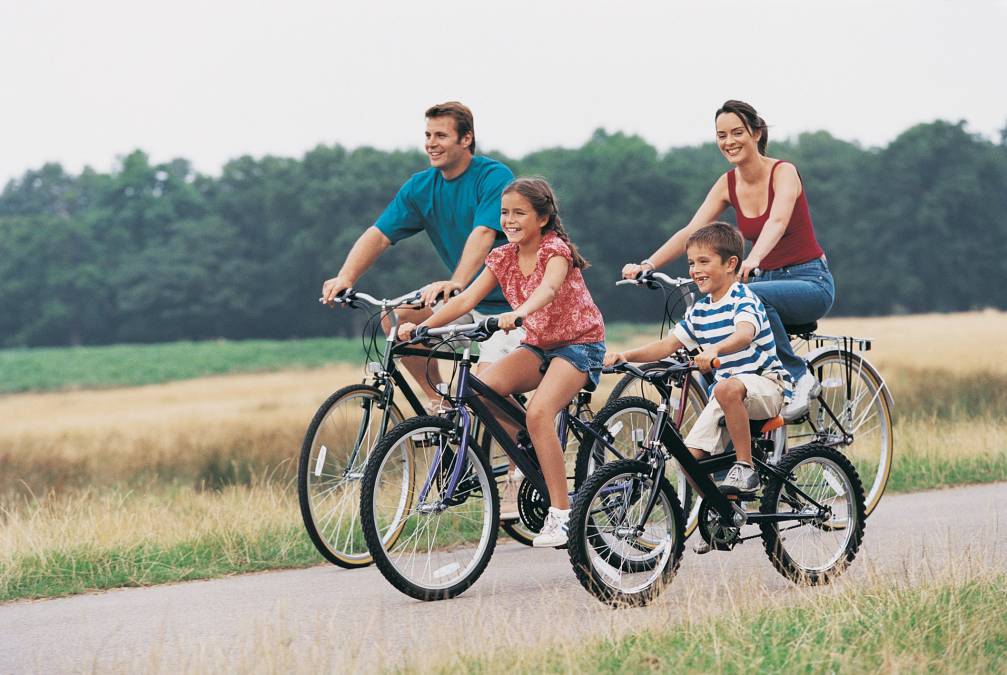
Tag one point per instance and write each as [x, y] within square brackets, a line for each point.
[493, 323]
[715, 363]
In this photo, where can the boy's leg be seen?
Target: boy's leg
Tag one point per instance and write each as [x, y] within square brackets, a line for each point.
[561, 383]
[730, 394]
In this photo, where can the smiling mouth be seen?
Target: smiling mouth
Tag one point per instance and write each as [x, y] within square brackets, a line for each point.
[731, 152]
[512, 230]
[435, 155]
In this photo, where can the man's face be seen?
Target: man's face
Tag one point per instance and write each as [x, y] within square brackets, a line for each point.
[445, 150]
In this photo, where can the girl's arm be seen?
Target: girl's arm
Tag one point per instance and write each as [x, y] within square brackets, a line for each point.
[461, 304]
[786, 188]
[716, 201]
[552, 279]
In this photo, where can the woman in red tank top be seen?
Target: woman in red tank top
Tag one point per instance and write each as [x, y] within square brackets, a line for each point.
[771, 208]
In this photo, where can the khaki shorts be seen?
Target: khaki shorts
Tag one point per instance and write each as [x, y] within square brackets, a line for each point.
[763, 401]
[500, 344]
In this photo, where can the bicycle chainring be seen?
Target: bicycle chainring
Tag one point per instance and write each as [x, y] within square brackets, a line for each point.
[720, 537]
[531, 506]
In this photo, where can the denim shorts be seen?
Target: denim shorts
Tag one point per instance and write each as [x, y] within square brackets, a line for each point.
[587, 358]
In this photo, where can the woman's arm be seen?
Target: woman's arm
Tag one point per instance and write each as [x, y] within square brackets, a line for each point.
[717, 199]
[462, 303]
[786, 189]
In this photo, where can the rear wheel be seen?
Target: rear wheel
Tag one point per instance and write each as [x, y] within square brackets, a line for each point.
[855, 393]
[333, 456]
[815, 550]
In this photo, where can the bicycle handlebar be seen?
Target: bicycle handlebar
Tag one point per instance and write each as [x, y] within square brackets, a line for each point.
[478, 330]
[350, 296]
[626, 367]
[650, 278]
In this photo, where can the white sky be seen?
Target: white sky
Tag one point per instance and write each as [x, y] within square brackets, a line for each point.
[82, 82]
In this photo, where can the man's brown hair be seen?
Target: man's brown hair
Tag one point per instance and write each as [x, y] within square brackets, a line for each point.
[723, 238]
[462, 116]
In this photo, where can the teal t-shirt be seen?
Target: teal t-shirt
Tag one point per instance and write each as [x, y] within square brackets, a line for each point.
[448, 210]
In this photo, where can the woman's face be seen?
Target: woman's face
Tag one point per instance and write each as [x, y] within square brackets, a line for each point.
[736, 143]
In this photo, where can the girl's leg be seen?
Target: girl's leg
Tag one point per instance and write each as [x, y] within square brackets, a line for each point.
[561, 383]
[515, 373]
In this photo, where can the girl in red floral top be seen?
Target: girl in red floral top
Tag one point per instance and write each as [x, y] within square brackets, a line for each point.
[539, 272]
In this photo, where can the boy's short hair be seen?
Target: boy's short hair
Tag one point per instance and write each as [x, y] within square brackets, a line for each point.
[460, 113]
[723, 238]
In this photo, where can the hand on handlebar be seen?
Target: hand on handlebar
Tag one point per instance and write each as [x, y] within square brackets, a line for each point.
[406, 330]
[707, 360]
[613, 358]
[333, 287]
[439, 290]
[634, 270]
[508, 321]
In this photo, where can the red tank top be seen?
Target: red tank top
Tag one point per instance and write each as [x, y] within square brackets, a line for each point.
[798, 243]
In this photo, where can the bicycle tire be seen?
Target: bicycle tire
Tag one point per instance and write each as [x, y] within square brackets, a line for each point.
[867, 416]
[424, 439]
[845, 526]
[603, 496]
[330, 511]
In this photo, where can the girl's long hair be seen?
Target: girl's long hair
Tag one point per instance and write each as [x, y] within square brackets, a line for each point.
[539, 194]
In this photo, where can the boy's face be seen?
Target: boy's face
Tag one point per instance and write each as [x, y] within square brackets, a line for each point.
[711, 274]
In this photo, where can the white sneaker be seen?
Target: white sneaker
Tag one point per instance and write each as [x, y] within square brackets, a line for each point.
[553, 533]
[806, 388]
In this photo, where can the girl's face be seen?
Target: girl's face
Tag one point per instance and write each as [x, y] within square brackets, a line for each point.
[735, 141]
[519, 220]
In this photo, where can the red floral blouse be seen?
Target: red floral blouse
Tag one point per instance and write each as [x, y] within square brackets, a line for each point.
[571, 318]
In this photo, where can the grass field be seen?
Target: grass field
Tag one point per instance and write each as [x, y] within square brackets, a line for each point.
[193, 478]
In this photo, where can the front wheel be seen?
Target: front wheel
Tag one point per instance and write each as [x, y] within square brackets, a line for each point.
[429, 541]
[342, 433]
[823, 484]
[619, 556]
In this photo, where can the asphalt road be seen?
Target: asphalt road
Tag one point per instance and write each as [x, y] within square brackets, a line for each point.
[325, 618]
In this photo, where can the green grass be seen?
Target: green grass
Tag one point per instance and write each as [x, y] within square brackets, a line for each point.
[950, 626]
[46, 369]
[88, 569]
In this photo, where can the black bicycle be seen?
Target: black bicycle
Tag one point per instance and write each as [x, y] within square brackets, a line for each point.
[346, 428]
[429, 503]
[627, 525]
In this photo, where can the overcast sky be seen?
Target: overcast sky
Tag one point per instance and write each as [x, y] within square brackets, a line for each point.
[210, 80]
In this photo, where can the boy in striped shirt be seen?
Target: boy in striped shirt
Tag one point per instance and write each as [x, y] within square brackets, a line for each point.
[728, 323]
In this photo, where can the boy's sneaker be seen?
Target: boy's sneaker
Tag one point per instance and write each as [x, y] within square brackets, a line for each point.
[508, 498]
[741, 480]
[553, 533]
[806, 389]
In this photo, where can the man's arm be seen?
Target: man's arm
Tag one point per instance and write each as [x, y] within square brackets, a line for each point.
[477, 247]
[368, 247]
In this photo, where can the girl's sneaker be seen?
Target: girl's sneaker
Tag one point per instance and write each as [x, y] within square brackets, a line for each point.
[554, 531]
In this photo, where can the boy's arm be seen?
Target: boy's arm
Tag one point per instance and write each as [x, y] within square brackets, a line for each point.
[739, 339]
[649, 352]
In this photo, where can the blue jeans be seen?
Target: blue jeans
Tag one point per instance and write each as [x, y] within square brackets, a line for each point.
[794, 295]
[587, 357]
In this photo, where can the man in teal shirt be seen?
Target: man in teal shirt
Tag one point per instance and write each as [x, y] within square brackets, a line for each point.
[457, 203]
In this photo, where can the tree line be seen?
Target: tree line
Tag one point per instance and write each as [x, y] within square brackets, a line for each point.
[159, 252]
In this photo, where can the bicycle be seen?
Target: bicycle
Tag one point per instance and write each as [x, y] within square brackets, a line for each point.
[853, 410]
[429, 504]
[627, 527]
[345, 429]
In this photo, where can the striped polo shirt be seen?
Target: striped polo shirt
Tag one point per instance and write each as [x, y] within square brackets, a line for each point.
[709, 322]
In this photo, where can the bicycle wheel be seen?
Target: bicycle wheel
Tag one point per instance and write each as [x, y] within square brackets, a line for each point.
[626, 423]
[618, 559]
[814, 551]
[443, 543]
[341, 435]
[858, 397]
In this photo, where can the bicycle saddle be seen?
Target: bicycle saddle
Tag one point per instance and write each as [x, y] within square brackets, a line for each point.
[801, 328]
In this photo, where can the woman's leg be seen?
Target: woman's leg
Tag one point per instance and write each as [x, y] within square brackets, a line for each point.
[561, 383]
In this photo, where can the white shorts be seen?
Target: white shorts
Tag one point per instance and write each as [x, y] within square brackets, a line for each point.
[500, 344]
[763, 401]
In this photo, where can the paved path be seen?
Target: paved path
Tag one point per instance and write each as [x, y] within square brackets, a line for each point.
[326, 618]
